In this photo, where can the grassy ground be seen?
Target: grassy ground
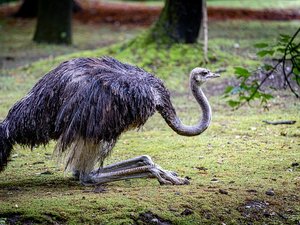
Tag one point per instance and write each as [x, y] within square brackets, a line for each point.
[232, 165]
[17, 48]
[255, 4]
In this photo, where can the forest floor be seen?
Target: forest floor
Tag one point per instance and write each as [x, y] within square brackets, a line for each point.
[242, 170]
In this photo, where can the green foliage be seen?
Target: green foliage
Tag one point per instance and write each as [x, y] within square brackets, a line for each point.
[242, 72]
[287, 52]
[263, 53]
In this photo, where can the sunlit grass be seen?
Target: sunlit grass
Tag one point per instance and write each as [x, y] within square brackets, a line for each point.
[237, 151]
[238, 154]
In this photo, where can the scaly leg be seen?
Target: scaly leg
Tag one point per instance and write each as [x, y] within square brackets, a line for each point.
[139, 167]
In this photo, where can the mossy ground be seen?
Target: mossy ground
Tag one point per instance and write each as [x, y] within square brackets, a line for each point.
[231, 165]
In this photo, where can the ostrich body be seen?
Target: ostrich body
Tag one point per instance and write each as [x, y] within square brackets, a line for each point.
[86, 104]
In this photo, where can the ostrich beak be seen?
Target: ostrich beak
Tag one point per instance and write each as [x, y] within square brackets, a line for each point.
[213, 75]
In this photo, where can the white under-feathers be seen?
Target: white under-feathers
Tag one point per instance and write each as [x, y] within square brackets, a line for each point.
[82, 155]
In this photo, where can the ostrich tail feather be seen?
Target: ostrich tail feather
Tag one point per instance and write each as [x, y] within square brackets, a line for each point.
[5, 147]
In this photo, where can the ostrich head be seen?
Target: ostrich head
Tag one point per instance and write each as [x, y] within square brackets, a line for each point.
[200, 75]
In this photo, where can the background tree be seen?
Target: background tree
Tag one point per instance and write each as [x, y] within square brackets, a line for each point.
[179, 22]
[54, 22]
[205, 30]
[29, 8]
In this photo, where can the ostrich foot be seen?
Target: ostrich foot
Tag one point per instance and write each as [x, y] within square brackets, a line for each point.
[167, 177]
[139, 167]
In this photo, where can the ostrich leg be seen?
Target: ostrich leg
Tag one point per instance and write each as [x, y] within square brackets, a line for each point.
[139, 167]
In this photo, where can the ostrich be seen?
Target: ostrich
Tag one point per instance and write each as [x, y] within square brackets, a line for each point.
[86, 104]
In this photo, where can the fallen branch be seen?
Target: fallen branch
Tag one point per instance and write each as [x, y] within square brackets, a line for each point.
[280, 122]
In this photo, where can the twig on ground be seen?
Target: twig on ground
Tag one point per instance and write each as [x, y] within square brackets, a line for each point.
[280, 122]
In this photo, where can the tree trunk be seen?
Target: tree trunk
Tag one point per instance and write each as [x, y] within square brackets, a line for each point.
[205, 31]
[179, 22]
[54, 22]
[29, 9]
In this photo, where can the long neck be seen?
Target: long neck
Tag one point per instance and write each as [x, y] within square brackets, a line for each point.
[175, 123]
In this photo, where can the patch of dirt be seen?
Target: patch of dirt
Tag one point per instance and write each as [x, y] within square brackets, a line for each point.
[149, 218]
[119, 13]
[55, 219]
[186, 212]
[277, 79]
[256, 210]
[141, 14]
[16, 218]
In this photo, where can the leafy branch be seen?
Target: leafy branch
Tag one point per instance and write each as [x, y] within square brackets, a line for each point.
[287, 53]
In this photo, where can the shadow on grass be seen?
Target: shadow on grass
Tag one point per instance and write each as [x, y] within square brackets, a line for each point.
[42, 181]
[20, 218]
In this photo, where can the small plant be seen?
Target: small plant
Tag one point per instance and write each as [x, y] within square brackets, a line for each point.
[286, 54]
